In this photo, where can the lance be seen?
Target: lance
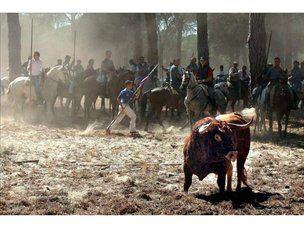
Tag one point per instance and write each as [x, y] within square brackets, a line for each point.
[32, 29]
[268, 48]
[74, 50]
[136, 91]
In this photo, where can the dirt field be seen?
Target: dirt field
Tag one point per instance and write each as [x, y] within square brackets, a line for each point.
[61, 168]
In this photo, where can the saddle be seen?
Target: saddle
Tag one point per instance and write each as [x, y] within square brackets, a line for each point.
[205, 90]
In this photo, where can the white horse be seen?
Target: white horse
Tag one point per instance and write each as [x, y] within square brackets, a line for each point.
[197, 100]
[49, 91]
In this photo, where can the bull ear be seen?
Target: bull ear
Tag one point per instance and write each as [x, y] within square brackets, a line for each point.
[241, 126]
[204, 128]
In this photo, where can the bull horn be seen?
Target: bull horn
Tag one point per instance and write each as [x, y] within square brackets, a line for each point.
[204, 128]
[241, 126]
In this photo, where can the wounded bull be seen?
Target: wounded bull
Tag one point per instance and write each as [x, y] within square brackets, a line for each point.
[210, 148]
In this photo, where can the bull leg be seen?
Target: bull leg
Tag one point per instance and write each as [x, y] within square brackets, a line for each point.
[241, 174]
[188, 178]
[229, 176]
[221, 180]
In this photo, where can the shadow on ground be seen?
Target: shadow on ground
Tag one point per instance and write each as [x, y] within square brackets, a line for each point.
[240, 199]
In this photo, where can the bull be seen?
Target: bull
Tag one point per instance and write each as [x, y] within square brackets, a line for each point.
[210, 148]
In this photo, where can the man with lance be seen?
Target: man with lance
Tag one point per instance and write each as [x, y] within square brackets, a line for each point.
[125, 98]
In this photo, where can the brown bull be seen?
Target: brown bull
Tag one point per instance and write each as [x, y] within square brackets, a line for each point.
[242, 137]
[210, 148]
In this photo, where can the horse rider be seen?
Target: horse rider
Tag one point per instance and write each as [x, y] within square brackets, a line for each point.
[67, 63]
[124, 99]
[77, 77]
[245, 80]
[167, 71]
[193, 67]
[59, 62]
[245, 77]
[176, 75]
[142, 70]
[275, 75]
[34, 69]
[107, 68]
[24, 66]
[89, 71]
[234, 79]
[222, 76]
[205, 76]
[296, 77]
[302, 70]
[261, 82]
[134, 67]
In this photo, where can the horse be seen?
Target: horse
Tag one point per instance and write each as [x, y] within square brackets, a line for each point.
[234, 95]
[160, 97]
[197, 100]
[281, 101]
[260, 107]
[91, 89]
[55, 77]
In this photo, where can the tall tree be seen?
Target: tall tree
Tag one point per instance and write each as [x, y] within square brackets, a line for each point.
[138, 38]
[179, 20]
[152, 38]
[202, 35]
[288, 49]
[14, 45]
[257, 46]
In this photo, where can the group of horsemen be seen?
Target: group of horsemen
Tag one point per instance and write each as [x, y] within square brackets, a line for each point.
[236, 79]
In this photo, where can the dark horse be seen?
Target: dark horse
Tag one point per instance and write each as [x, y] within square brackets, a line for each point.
[234, 96]
[92, 89]
[281, 104]
[160, 97]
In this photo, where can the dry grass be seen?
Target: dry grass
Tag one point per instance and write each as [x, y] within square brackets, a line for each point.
[85, 171]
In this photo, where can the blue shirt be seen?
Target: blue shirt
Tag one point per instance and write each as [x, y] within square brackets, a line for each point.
[125, 96]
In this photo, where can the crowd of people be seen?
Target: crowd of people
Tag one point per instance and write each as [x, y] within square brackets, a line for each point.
[236, 78]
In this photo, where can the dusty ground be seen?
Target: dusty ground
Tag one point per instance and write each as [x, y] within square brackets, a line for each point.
[61, 168]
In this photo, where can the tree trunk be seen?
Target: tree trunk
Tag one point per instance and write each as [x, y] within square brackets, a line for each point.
[287, 41]
[257, 46]
[152, 38]
[14, 45]
[202, 35]
[138, 38]
[179, 30]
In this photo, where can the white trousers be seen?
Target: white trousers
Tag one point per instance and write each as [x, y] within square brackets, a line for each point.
[128, 111]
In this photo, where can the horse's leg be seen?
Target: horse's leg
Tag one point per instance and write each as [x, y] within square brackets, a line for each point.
[52, 104]
[61, 102]
[286, 122]
[257, 123]
[232, 104]
[279, 120]
[149, 117]
[158, 116]
[270, 120]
